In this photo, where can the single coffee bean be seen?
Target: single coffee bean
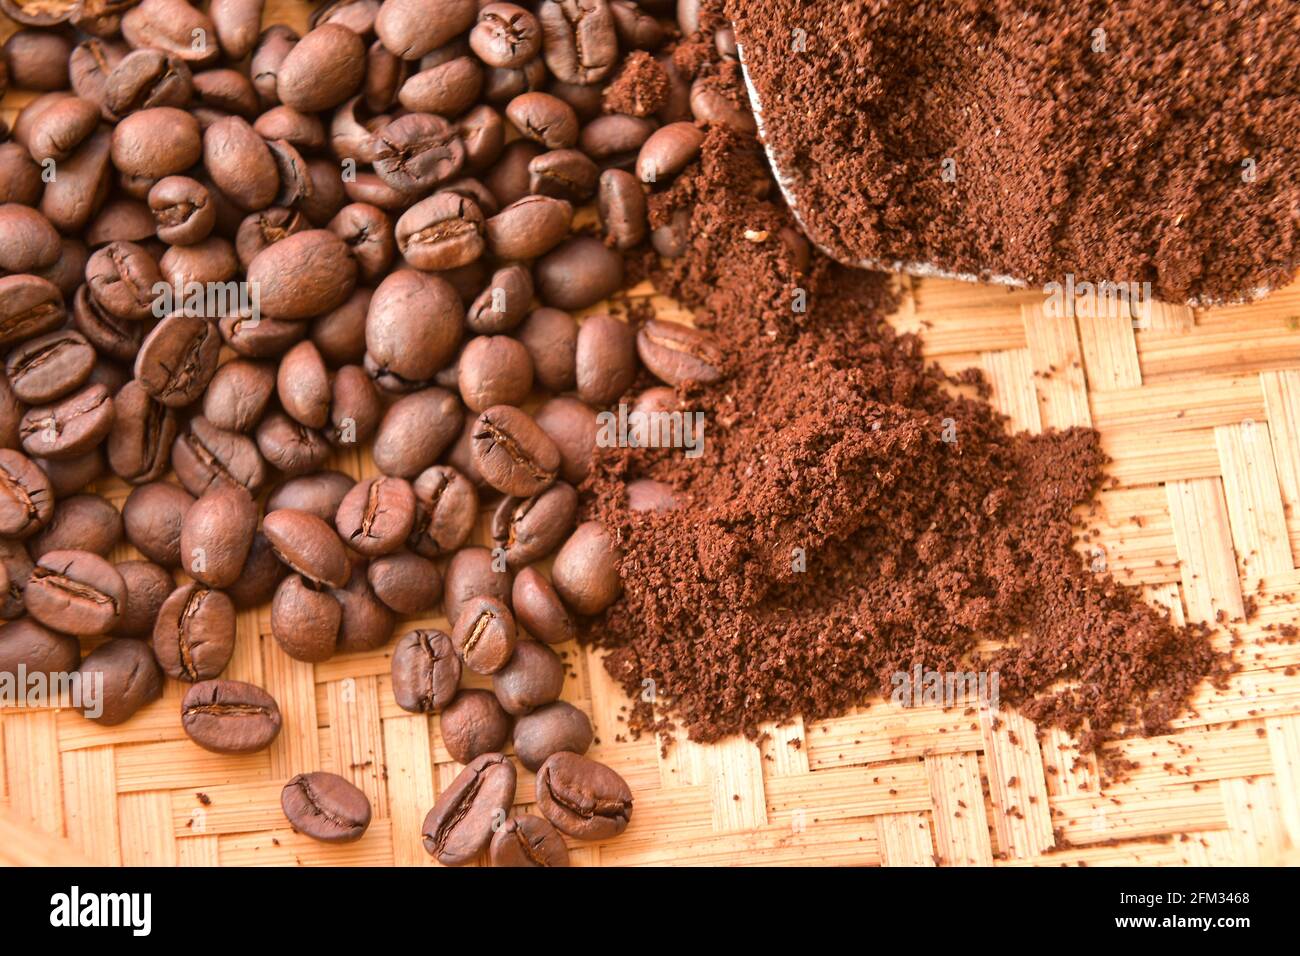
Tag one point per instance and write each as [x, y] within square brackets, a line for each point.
[411, 28]
[355, 409]
[529, 529]
[462, 821]
[152, 518]
[178, 359]
[272, 47]
[76, 592]
[305, 131]
[533, 677]
[578, 39]
[528, 228]
[623, 209]
[305, 621]
[368, 232]
[217, 534]
[319, 494]
[483, 132]
[473, 572]
[325, 807]
[545, 119]
[340, 334]
[473, 724]
[508, 178]
[366, 622]
[585, 572]
[236, 22]
[385, 74]
[668, 151]
[566, 174]
[415, 431]
[17, 569]
[447, 511]
[413, 328]
[406, 582]
[85, 522]
[156, 142]
[426, 672]
[506, 35]
[551, 337]
[605, 359]
[578, 273]
[147, 588]
[20, 177]
[416, 152]
[528, 841]
[304, 275]
[58, 131]
[194, 636]
[615, 140]
[210, 261]
[503, 303]
[205, 455]
[713, 107]
[308, 546]
[121, 277]
[539, 610]
[677, 353]
[512, 453]
[183, 210]
[444, 231]
[26, 499]
[376, 516]
[636, 30]
[26, 644]
[146, 79]
[323, 69]
[70, 427]
[303, 386]
[551, 729]
[174, 27]
[124, 220]
[447, 89]
[30, 243]
[129, 677]
[230, 717]
[69, 475]
[646, 494]
[264, 228]
[261, 575]
[238, 395]
[494, 370]
[583, 798]
[260, 338]
[290, 446]
[29, 305]
[11, 415]
[38, 60]
[573, 426]
[49, 366]
[484, 634]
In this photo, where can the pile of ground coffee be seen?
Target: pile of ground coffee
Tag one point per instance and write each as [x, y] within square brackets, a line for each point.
[1112, 139]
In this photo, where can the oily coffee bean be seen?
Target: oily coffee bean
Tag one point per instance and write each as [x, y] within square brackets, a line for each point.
[677, 353]
[85, 522]
[26, 499]
[645, 494]
[319, 494]
[411, 28]
[30, 243]
[551, 729]
[528, 529]
[76, 592]
[426, 671]
[121, 277]
[304, 621]
[376, 516]
[152, 519]
[413, 328]
[578, 39]
[473, 724]
[585, 572]
[615, 140]
[406, 582]
[42, 651]
[58, 131]
[573, 426]
[583, 798]
[158, 142]
[472, 572]
[290, 446]
[566, 174]
[447, 510]
[668, 151]
[194, 636]
[17, 565]
[533, 677]
[484, 634]
[623, 208]
[503, 303]
[217, 534]
[307, 545]
[172, 26]
[178, 359]
[507, 180]
[551, 338]
[49, 366]
[129, 677]
[605, 359]
[69, 427]
[545, 119]
[325, 807]
[145, 79]
[183, 210]
[529, 227]
[322, 70]
[261, 575]
[238, 394]
[462, 821]
[483, 133]
[230, 717]
[578, 273]
[340, 334]
[304, 275]
[539, 610]
[506, 35]
[366, 622]
[444, 231]
[494, 370]
[447, 89]
[528, 841]
[147, 588]
[416, 152]
[29, 305]
[415, 431]
[512, 453]
[302, 385]
[355, 409]
[212, 260]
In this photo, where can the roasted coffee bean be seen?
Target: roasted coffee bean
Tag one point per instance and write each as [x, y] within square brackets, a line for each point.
[304, 131]
[340, 335]
[415, 431]
[533, 677]
[545, 119]
[58, 131]
[29, 305]
[605, 359]
[319, 494]
[529, 228]
[426, 672]
[355, 409]
[230, 717]
[210, 261]
[551, 337]
[462, 821]
[416, 152]
[583, 798]
[713, 107]
[69, 475]
[261, 575]
[123, 219]
[122, 277]
[578, 39]
[70, 427]
[152, 519]
[447, 89]
[236, 22]
[37, 60]
[322, 70]
[500, 86]
[623, 208]
[241, 164]
[512, 453]
[411, 28]
[158, 142]
[668, 151]
[473, 572]
[178, 359]
[376, 516]
[585, 572]
[194, 636]
[484, 634]
[413, 328]
[615, 140]
[291, 447]
[49, 366]
[494, 370]
[506, 35]
[129, 677]
[304, 275]
[81, 522]
[677, 353]
[308, 546]
[528, 529]
[528, 841]
[217, 534]
[507, 179]
[366, 622]
[635, 29]
[273, 45]
[483, 133]
[182, 209]
[573, 426]
[444, 231]
[204, 455]
[17, 565]
[447, 510]
[368, 232]
[303, 386]
[238, 395]
[645, 494]
[566, 174]
[473, 724]
[406, 582]
[172, 26]
[147, 588]
[539, 610]
[28, 243]
[146, 79]
[551, 729]
[305, 621]
[20, 177]
[76, 592]
[503, 304]
[26, 499]
[24, 643]
[578, 273]
[325, 807]
[264, 228]
[260, 338]
[385, 74]
[11, 415]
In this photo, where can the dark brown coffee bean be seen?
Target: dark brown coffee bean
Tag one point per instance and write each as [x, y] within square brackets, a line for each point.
[539, 610]
[545, 119]
[29, 306]
[178, 359]
[122, 277]
[69, 475]
[75, 592]
[182, 209]
[415, 431]
[411, 28]
[376, 516]
[156, 142]
[30, 243]
[416, 152]
[563, 174]
[291, 447]
[216, 535]
[413, 328]
[304, 275]
[645, 494]
[355, 408]
[20, 177]
[273, 45]
[236, 23]
[152, 518]
[554, 728]
[260, 338]
[49, 366]
[204, 455]
[240, 163]
[325, 807]
[605, 359]
[17, 565]
[636, 29]
[447, 89]
[24, 643]
[238, 395]
[573, 426]
[129, 676]
[506, 35]
[147, 588]
[319, 494]
[112, 338]
[447, 511]
[261, 575]
[533, 677]
[173, 26]
[551, 338]
[426, 671]
[712, 107]
[305, 621]
[615, 140]
[59, 130]
[305, 131]
[512, 453]
[11, 415]
[26, 499]
[578, 273]
[528, 842]
[70, 427]
[494, 370]
[504, 303]
[385, 74]
[585, 572]
[463, 819]
[444, 231]
[146, 79]
[483, 133]
[529, 228]
[37, 60]
[194, 636]
[308, 545]
[406, 582]
[368, 232]
[230, 717]
[473, 572]
[366, 622]
[340, 335]
[81, 522]
[529, 529]
[484, 634]
[264, 228]
[583, 798]
[677, 353]
[668, 151]
[623, 208]
[473, 724]
[303, 386]
[578, 39]
[322, 70]
[122, 219]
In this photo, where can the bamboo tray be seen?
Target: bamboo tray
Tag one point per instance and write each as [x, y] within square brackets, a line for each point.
[1201, 415]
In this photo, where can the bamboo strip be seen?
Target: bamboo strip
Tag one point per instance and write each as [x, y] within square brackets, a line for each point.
[1128, 854]
[1173, 406]
[1284, 747]
[1151, 457]
[887, 732]
[32, 759]
[1256, 518]
[90, 802]
[410, 785]
[229, 808]
[1011, 376]
[283, 847]
[1282, 404]
[1209, 567]
[1201, 353]
[904, 839]
[176, 763]
[961, 828]
[1058, 368]
[1129, 814]
[291, 683]
[1109, 351]
[1016, 785]
[783, 748]
[358, 739]
[144, 829]
[736, 791]
[1254, 819]
[199, 851]
[21, 845]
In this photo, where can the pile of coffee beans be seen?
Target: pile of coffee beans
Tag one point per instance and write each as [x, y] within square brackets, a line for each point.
[231, 255]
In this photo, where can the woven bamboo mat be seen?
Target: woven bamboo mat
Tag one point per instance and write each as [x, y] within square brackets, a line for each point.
[1201, 414]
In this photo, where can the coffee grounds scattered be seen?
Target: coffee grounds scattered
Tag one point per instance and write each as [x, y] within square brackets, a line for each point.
[828, 437]
[1116, 140]
[641, 88]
